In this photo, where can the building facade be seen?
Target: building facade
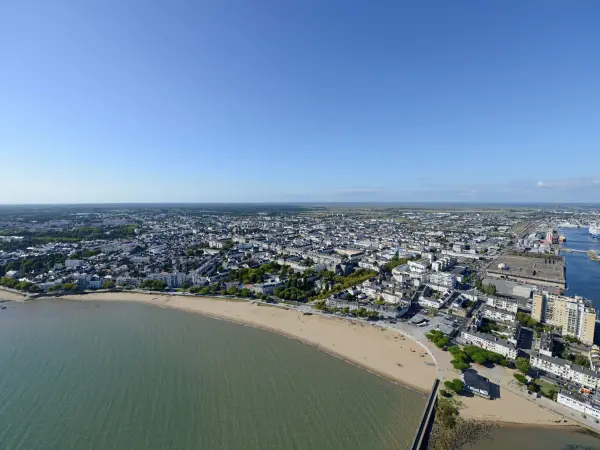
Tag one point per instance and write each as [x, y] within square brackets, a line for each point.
[579, 403]
[501, 315]
[445, 279]
[503, 303]
[489, 342]
[566, 370]
[574, 315]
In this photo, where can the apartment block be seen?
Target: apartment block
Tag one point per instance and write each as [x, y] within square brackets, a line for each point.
[489, 342]
[566, 370]
[579, 403]
[574, 315]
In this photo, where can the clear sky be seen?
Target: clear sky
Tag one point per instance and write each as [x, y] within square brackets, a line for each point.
[307, 100]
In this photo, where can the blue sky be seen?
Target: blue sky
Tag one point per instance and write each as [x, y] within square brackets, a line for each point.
[312, 100]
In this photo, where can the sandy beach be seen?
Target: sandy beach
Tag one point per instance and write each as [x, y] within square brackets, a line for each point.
[6, 294]
[510, 408]
[380, 351]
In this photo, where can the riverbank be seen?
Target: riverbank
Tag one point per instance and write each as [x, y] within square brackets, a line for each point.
[380, 351]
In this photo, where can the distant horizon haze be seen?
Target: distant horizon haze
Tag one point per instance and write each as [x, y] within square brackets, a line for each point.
[299, 102]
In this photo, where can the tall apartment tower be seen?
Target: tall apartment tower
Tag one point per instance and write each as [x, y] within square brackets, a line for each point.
[575, 316]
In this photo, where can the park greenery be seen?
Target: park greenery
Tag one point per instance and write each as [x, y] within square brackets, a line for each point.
[33, 264]
[250, 276]
[19, 285]
[235, 291]
[471, 353]
[438, 338]
[153, 285]
[213, 289]
[30, 238]
[63, 287]
[341, 282]
[393, 263]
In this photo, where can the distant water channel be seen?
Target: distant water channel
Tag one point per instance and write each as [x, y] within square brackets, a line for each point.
[583, 275]
[77, 375]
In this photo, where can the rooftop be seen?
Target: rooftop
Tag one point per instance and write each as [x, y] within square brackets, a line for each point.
[564, 362]
[535, 269]
[473, 379]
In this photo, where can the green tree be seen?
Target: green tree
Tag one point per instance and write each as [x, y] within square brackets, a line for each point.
[520, 378]
[522, 364]
[480, 358]
[581, 360]
[153, 285]
[459, 365]
[232, 290]
[108, 284]
[455, 385]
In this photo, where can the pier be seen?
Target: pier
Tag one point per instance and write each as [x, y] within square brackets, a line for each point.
[592, 254]
[421, 437]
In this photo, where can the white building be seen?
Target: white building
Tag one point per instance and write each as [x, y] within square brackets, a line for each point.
[266, 288]
[503, 303]
[489, 342]
[445, 279]
[502, 315]
[566, 370]
[400, 274]
[579, 403]
[428, 302]
[419, 266]
[443, 263]
[123, 281]
[172, 280]
[391, 297]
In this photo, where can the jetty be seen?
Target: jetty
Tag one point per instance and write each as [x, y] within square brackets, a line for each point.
[592, 254]
[422, 434]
